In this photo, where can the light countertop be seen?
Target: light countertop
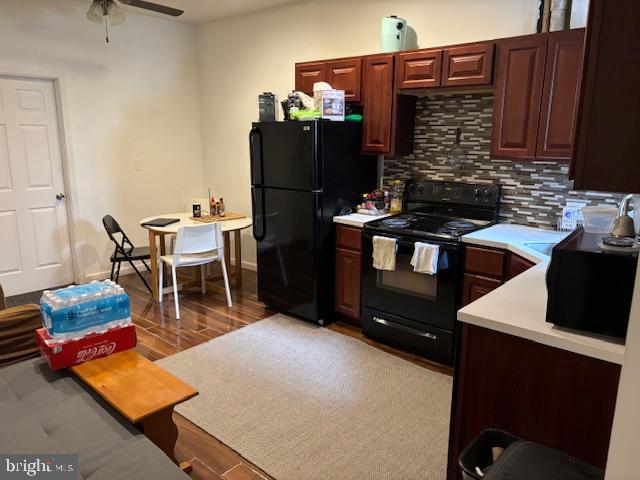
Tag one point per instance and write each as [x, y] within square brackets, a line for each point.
[357, 219]
[519, 306]
[516, 238]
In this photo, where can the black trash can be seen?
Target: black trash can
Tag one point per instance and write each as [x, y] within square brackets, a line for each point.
[478, 452]
[532, 461]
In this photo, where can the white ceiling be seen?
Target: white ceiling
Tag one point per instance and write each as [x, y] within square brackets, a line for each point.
[203, 11]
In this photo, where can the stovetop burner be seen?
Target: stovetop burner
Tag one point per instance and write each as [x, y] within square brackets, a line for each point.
[425, 225]
[442, 210]
[397, 222]
[459, 224]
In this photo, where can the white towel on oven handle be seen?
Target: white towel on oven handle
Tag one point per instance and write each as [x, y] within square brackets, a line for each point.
[384, 253]
[425, 258]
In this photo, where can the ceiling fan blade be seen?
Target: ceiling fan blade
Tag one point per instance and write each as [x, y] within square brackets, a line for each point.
[154, 7]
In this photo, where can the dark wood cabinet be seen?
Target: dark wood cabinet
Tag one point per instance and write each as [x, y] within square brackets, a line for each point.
[389, 118]
[348, 265]
[468, 65]
[309, 73]
[560, 95]
[347, 297]
[608, 126]
[517, 265]
[544, 394]
[346, 74]
[488, 268]
[485, 261]
[476, 286]
[519, 82]
[378, 103]
[420, 69]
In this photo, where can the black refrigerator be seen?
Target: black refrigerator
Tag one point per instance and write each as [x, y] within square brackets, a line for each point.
[302, 174]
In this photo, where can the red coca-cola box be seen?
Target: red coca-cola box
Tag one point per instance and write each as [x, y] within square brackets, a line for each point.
[72, 352]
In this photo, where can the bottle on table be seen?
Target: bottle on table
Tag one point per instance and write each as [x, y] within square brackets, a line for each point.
[221, 207]
[396, 199]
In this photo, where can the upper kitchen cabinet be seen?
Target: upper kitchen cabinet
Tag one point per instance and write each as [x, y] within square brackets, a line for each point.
[378, 103]
[560, 95]
[519, 82]
[388, 118]
[536, 96]
[420, 69]
[346, 74]
[468, 65]
[309, 73]
[608, 125]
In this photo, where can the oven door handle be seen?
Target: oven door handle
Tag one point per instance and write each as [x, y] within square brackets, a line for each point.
[402, 328]
[411, 244]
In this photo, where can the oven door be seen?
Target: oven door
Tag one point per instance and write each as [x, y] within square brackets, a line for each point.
[422, 298]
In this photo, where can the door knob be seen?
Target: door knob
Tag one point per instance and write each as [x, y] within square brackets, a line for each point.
[60, 196]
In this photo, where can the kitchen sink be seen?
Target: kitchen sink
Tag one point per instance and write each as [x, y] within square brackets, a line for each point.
[542, 247]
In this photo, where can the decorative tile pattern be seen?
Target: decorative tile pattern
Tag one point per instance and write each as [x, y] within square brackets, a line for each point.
[533, 193]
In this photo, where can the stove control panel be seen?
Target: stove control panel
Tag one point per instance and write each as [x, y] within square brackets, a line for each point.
[452, 192]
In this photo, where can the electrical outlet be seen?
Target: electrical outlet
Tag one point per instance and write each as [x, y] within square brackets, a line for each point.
[137, 164]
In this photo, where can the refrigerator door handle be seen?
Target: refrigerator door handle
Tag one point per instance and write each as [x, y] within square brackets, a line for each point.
[262, 235]
[253, 134]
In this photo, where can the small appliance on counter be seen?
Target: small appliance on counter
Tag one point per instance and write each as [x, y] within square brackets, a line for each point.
[393, 34]
[413, 310]
[590, 286]
[267, 107]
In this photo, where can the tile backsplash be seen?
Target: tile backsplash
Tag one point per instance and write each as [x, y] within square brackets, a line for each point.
[533, 193]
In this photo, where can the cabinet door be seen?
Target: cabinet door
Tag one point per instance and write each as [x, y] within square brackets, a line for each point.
[516, 111]
[468, 65]
[309, 73]
[517, 265]
[608, 126]
[347, 294]
[560, 95]
[346, 74]
[378, 103]
[420, 69]
[475, 286]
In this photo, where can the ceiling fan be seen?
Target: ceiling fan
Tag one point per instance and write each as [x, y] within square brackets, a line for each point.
[111, 13]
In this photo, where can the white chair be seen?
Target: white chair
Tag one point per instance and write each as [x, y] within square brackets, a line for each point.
[196, 245]
[188, 208]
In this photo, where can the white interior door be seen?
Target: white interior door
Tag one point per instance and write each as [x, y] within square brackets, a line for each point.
[34, 236]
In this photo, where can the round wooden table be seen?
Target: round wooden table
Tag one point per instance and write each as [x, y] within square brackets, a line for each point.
[234, 226]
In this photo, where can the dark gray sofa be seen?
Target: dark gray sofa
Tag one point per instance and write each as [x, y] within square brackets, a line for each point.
[42, 411]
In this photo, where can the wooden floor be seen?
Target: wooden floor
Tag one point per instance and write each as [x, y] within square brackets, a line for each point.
[203, 317]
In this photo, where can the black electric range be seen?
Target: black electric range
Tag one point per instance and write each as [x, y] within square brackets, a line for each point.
[417, 311]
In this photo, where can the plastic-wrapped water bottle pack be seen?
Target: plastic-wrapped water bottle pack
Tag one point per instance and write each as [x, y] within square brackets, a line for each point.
[75, 311]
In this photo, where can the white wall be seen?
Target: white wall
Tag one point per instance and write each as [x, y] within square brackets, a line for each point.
[624, 448]
[241, 57]
[134, 99]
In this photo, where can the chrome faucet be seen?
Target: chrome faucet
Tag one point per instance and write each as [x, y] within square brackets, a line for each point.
[623, 224]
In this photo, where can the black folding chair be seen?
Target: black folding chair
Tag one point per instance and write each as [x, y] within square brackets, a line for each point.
[125, 251]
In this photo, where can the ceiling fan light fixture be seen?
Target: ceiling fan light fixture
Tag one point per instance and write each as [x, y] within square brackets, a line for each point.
[96, 12]
[115, 13]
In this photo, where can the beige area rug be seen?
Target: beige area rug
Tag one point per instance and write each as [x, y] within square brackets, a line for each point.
[303, 402]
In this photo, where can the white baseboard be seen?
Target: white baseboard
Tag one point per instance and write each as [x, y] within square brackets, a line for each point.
[126, 270]
[250, 266]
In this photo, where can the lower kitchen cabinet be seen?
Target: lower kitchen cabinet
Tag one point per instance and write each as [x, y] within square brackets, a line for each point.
[348, 271]
[476, 286]
[544, 394]
[488, 268]
[348, 266]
